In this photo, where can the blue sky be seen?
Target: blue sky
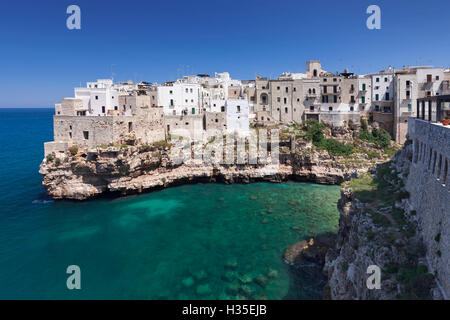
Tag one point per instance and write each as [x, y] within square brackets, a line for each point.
[41, 60]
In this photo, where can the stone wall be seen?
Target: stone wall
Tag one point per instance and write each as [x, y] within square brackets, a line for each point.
[91, 131]
[339, 119]
[429, 185]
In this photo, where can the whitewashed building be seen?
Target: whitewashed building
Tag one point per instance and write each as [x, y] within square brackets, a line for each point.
[237, 116]
[178, 98]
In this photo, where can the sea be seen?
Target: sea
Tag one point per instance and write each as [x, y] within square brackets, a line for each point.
[201, 241]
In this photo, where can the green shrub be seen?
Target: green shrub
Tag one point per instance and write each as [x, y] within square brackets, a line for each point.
[73, 150]
[380, 137]
[161, 144]
[314, 132]
[50, 157]
[335, 147]
[57, 161]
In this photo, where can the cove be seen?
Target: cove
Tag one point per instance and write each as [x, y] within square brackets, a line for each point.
[203, 241]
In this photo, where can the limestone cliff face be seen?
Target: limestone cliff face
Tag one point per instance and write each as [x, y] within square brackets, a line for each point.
[379, 227]
[135, 170]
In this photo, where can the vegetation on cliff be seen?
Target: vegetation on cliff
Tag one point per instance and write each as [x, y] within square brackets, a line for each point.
[381, 196]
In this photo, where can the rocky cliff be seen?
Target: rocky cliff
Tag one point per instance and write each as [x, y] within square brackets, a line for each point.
[135, 169]
[377, 226]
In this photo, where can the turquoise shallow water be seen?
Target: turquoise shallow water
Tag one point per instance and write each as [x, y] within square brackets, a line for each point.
[189, 242]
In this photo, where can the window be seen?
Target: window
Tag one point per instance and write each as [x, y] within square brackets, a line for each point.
[103, 109]
[298, 99]
[309, 91]
[387, 95]
[377, 79]
[193, 111]
[222, 109]
[364, 87]
[315, 73]
[437, 78]
[324, 80]
[429, 77]
[387, 109]
[352, 99]
[314, 90]
[285, 100]
[96, 97]
[330, 108]
[408, 83]
[363, 99]
[187, 90]
[377, 108]
[278, 99]
[325, 89]
[217, 120]
[278, 88]
[171, 92]
[238, 108]
[287, 89]
[115, 108]
[86, 135]
[130, 127]
[285, 110]
[377, 97]
[335, 99]
[408, 94]
[186, 100]
[311, 108]
[335, 90]
[385, 79]
[409, 107]
[352, 108]
[334, 79]
[174, 112]
[171, 102]
[295, 89]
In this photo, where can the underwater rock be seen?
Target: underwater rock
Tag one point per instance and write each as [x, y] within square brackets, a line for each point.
[244, 279]
[272, 274]
[188, 282]
[253, 197]
[231, 264]
[232, 289]
[246, 291]
[261, 280]
[201, 275]
[203, 289]
[229, 276]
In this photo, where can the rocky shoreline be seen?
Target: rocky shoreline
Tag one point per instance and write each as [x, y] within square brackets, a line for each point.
[133, 170]
[377, 226]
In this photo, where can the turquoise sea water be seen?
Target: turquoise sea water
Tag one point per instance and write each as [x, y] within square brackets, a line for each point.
[190, 242]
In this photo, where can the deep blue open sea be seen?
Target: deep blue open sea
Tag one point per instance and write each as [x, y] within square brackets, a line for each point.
[189, 242]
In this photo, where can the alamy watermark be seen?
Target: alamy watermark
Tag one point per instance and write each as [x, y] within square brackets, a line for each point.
[257, 147]
[374, 20]
[74, 280]
[74, 20]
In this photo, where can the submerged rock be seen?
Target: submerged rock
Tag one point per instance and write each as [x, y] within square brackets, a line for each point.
[231, 264]
[188, 282]
[272, 274]
[201, 275]
[232, 289]
[261, 280]
[203, 289]
[244, 279]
